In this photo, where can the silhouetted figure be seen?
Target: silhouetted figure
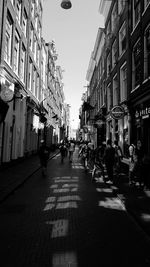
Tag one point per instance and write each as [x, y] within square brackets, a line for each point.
[109, 159]
[44, 156]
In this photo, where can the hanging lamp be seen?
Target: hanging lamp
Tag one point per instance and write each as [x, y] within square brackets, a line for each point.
[66, 4]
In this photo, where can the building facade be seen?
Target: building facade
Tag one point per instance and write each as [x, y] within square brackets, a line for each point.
[139, 93]
[118, 74]
[31, 88]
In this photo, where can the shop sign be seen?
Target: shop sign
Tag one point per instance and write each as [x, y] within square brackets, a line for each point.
[117, 112]
[143, 113]
[7, 91]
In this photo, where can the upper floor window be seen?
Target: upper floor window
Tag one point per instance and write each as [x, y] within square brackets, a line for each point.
[37, 86]
[136, 64]
[147, 52]
[32, 7]
[114, 53]
[136, 12]
[102, 94]
[13, 2]
[31, 37]
[123, 83]
[39, 29]
[109, 101]
[42, 67]
[18, 10]
[22, 63]
[8, 39]
[36, 22]
[121, 6]
[38, 56]
[40, 10]
[146, 2]
[108, 30]
[33, 88]
[30, 74]
[24, 23]
[115, 91]
[122, 39]
[108, 65]
[35, 48]
[102, 64]
[16, 52]
[114, 16]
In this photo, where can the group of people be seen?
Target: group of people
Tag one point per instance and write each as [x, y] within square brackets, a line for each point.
[105, 155]
[65, 148]
[110, 156]
[96, 158]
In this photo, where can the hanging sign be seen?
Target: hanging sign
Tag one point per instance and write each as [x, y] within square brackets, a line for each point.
[7, 91]
[117, 112]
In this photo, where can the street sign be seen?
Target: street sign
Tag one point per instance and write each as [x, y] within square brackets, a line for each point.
[117, 112]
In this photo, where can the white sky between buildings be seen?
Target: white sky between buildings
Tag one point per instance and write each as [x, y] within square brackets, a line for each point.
[74, 32]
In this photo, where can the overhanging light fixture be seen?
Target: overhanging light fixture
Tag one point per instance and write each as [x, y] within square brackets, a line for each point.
[66, 4]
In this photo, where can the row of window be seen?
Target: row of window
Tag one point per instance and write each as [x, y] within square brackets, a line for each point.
[118, 8]
[18, 48]
[14, 49]
[117, 92]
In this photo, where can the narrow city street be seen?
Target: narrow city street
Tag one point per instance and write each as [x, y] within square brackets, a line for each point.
[66, 220]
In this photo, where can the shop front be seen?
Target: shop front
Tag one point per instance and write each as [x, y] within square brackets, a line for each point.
[142, 125]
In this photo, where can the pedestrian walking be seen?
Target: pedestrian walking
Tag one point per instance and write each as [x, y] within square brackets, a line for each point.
[139, 151]
[109, 159]
[71, 150]
[98, 162]
[44, 156]
[84, 153]
[132, 164]
[63, 150]
[118, 158]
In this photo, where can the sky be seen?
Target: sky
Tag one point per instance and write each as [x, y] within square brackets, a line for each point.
[74, 32]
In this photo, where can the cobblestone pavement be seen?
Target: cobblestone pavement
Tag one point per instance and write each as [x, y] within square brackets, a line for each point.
[65, 220]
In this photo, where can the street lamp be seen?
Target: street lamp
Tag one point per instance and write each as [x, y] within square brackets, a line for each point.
[66, 4]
